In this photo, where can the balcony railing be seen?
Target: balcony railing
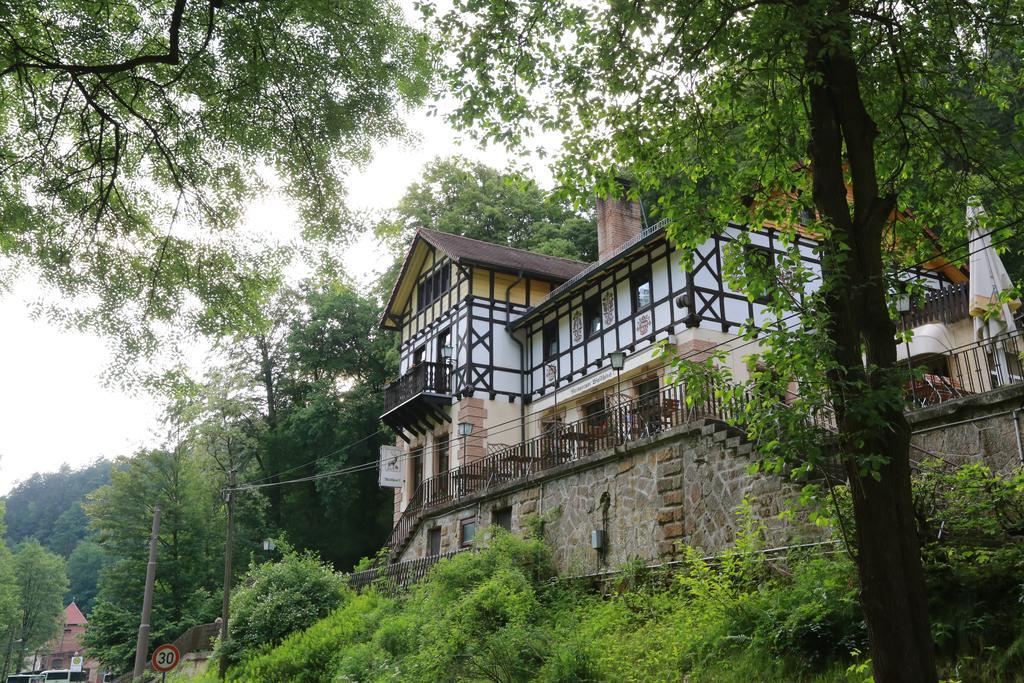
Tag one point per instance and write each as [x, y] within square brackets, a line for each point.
[971, 369]
[434, 378]
[947, 305]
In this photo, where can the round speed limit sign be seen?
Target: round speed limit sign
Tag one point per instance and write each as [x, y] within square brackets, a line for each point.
[165, 658]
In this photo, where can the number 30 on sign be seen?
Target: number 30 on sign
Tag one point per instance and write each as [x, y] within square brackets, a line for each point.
[165, 658]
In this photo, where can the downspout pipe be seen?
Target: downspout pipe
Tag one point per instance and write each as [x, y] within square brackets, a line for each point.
[522, 357]
[1016, 433]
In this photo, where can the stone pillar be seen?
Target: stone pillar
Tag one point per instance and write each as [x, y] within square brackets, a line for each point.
[474, 446]
[669, 470]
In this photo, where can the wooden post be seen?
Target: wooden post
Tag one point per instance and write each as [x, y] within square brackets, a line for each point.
[228, 552]
[142, 642]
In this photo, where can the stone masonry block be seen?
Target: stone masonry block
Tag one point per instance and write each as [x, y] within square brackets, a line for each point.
[669, 483]
[669, 468]
[672, 498]
[673, 530]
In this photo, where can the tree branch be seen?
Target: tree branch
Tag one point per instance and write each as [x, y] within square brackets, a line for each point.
[173, 55]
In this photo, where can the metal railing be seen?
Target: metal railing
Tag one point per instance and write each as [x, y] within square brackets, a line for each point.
[947, 305]
[422, 377]
[971, 369]
[629, 420]
[391, 578]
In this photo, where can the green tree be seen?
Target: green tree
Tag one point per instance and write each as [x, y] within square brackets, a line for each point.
[118, 120]
[833, 113]
[304, 389]
[189, 556]
[275, 599]
[42, 581]
[85, 564]
[471, 199]
[9, 594]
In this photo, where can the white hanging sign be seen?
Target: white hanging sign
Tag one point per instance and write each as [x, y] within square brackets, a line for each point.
[392, 470]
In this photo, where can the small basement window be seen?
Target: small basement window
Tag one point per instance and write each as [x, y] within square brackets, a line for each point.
[434, 541]
[503, 518]
[468, 532]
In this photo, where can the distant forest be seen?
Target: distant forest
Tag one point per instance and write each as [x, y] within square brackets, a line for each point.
[296, 394]
[48, 507]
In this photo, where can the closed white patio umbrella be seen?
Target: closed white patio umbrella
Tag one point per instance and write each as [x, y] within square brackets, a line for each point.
[993, 319]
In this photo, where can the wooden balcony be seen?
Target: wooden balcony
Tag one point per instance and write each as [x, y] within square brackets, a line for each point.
[947, 305]
[414, 403]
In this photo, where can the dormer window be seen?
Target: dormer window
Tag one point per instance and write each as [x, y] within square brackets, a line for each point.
[430, 288]
[550, 340]
[641, 286]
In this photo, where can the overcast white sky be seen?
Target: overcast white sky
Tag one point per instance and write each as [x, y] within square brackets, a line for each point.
[54, 408]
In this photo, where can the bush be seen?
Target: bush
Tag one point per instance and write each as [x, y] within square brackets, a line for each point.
[500, 615]
[276, 599]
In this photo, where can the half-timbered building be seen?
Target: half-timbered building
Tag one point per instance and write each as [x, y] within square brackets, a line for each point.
[507, 356]
[451, 305]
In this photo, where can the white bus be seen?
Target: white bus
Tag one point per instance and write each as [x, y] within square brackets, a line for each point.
[65, 675]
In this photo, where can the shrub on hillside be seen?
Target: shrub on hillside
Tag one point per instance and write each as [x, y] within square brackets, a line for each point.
[500, 615]
[275, 599]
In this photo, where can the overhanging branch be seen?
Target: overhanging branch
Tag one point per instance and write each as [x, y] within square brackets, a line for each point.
[172, 57]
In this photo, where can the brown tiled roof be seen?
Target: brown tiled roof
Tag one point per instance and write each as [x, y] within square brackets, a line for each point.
[460, 249]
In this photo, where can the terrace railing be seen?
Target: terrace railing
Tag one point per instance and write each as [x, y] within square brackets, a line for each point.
[629, 420]
[397, 576]
[971, 369]
[423, 377]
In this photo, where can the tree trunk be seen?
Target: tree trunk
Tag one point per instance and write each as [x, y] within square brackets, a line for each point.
[267, 377]
[869, 411]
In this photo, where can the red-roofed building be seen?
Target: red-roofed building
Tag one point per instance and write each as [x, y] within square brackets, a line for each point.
[58, 653]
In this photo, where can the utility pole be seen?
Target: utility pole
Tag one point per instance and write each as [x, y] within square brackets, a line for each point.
[142, 643]
[228, 552]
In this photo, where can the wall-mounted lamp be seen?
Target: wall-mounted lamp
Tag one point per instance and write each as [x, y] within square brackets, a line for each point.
[446, 351]
[618, 361]
[465, 428]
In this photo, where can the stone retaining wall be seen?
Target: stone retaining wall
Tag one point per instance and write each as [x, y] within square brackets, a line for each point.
[682, 487]
[685, 486]
[972, 429]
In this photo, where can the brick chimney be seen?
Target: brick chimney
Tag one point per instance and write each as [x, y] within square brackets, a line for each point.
[618, 221]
